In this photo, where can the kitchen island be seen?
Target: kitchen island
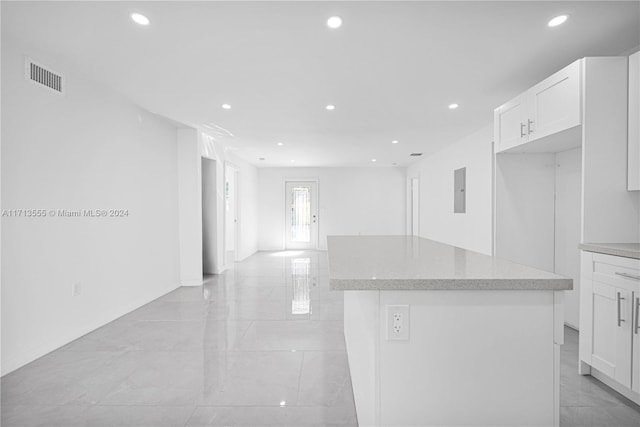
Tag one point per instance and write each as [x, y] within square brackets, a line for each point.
[440, 336]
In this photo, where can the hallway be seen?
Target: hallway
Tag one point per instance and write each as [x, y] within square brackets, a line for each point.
[259, 345]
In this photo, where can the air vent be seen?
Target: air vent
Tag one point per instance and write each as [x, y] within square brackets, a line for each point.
[37, 73]
[415, 154]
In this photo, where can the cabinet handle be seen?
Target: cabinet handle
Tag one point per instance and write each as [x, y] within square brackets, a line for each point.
[637, 328]
[628, 276]
[620, 320]
[522, 134]
[529, 126]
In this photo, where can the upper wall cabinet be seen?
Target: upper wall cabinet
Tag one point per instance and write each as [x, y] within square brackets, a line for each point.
[633, 176]
[509, 124]
[555, 103]
[551, 106]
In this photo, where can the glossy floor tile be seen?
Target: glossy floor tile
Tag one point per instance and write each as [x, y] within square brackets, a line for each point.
[260, 345]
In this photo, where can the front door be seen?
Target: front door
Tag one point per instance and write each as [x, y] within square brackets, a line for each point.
[301, 215]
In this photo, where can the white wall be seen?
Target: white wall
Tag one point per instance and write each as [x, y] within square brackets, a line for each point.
[525, 210]
[568, 185]
[189, 192]
[89, 149]
[471, 230]
[247, 193]
[538, 215]
[610, 212]
[210, 258]
[352, 201]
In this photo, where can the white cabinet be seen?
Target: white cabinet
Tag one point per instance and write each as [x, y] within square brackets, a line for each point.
[633, 171]
[611, 346]
[610, 319]
[551, 106]
[555, 103]
[509, 128]
[635, 368]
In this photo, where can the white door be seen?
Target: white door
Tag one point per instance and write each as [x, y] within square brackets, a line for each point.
[301, 215]
[231, 214]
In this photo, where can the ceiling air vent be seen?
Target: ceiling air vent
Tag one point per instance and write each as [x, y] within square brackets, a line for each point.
[37, 73]
[415, 154]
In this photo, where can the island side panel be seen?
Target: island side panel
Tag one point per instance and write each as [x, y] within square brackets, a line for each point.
[472, 358]
[361, 314]
[558, 341]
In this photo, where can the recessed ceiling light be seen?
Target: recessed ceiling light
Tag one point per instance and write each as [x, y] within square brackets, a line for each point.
[374, 160]
[282, 403]
[140, 19]
[395, 141]
[330, 107]
[280, 144]
[293, 161]
[558, 20]
[226, 106]
[334, 22]
[453, 106]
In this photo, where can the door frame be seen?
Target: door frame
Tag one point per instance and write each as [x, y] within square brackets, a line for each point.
[284, 203]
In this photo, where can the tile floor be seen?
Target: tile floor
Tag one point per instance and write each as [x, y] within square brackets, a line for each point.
[586, 402]
[261, 344]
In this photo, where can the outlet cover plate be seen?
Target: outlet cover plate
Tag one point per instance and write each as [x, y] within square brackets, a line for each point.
[398, 322]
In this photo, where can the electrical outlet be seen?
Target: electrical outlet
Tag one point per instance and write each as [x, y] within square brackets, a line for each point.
[76, 289]
[398, 322]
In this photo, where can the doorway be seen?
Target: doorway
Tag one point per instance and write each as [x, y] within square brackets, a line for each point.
[230, 214]
[301, 214]
[209, 216]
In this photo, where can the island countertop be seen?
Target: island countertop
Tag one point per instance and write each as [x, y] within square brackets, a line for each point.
[416, 263]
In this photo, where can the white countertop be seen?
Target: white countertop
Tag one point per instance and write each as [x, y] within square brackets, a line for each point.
[627, 250]
[415, 263]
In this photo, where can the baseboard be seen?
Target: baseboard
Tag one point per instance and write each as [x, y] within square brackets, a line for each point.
[629, 394]
[192, 282]
[10, 364]
[575, 328]
[242, 257]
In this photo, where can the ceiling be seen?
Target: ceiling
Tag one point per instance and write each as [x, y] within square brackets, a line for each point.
[391, 70]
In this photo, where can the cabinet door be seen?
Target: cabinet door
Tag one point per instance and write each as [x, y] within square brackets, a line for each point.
[634, 123]
[555, 103]
[611, 343]
[509, 124]
[635, 368]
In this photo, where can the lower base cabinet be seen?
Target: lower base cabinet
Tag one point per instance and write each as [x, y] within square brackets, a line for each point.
[610, 321]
